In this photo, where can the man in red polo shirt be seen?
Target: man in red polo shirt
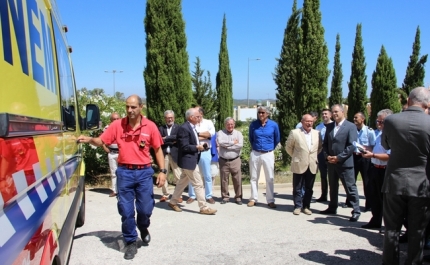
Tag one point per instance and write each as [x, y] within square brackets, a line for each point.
[135, 135]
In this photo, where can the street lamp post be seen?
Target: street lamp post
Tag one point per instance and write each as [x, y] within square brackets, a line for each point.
[113, 73]
[247, 87]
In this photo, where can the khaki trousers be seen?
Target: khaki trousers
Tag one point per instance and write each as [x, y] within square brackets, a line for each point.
[193, 177]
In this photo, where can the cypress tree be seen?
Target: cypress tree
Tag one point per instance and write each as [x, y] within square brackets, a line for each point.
[203, 93]
[285, 77]
[357, 83]
[415, 72]
[167, 74]
[313, 61]
[337, 78]
[224, 82]
[384, 86]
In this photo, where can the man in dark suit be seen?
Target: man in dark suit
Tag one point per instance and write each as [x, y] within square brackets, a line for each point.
[170, 151]
[188, 158]
[338, 148]
[406, 184]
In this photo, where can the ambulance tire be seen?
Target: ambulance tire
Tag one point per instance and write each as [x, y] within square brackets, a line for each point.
[80, 220]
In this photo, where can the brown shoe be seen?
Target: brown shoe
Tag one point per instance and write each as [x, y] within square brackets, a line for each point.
[175, 207]
[112, 194]
[251, 203]
[272, 205]
[208, 211]
[180, 200]
[211, 201]
[164, 199]
[190, 200]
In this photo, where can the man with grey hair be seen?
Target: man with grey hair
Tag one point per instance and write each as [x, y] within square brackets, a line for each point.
[379, 157]
[406, 184]
[263, 136]
[170, 151]
[338, 148]
[230, 142]
[188, 158]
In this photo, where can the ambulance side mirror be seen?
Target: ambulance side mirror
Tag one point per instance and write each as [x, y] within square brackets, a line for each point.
[92, 120]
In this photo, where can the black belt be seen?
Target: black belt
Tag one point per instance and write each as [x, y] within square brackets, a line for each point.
[134, 167]
[262, 151]
[229, 160]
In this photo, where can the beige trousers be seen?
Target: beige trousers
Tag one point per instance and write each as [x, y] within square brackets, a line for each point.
[170, 164]
[193, 177]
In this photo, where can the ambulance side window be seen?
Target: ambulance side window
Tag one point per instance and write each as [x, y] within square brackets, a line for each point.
[66, 81]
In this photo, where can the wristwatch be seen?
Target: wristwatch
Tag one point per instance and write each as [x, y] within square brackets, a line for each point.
[163, 170]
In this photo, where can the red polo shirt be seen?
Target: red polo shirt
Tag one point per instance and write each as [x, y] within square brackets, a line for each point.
[133, 145]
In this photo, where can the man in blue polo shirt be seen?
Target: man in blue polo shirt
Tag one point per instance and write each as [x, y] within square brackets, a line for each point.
[264, 136]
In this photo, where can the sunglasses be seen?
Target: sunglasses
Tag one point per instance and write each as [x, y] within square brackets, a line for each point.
[261, 112]
[380, 122]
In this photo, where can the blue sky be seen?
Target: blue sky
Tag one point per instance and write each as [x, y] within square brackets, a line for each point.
[109, 35]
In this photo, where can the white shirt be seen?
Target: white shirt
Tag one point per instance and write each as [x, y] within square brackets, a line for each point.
[337, 127]
[308, 137]
[378, 149]
[169, 129]
[206, 126]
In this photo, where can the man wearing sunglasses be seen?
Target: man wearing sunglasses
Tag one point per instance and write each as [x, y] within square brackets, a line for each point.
[263, 136]
[379, 157]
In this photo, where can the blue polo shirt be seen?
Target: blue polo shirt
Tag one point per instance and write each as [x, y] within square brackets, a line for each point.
[264, 138]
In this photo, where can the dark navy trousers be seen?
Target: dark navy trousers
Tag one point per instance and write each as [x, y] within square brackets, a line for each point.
[134, 187]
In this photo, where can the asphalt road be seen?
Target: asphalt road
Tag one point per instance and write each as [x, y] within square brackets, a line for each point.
[235, 235]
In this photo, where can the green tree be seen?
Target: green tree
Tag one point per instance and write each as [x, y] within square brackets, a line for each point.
[107, 104]
[203, 93]
[337, 78]
[357, 98]
[384, 86]
[167, 74]
[313, 61]
[224, 82]
[285, 77]
[415, 72]
[95, 159]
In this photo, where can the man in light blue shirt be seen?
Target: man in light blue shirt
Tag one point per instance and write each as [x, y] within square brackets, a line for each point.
[263, 136]
[365, 137]
[322, 163]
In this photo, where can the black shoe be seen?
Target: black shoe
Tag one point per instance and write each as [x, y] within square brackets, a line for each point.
[144, 234]
[224, 201]
[239, 202]
[403, 238]
[328, 211]
[321, 199]
[367, 209]
[130, 250]
[354, 217]
[347, 205]
[371, 226]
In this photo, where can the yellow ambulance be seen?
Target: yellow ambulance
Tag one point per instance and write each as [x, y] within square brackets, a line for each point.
[42, 195]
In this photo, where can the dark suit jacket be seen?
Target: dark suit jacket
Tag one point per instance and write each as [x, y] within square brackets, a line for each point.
[188, 155]
[340, 145]
[407, 134]
[170, 141]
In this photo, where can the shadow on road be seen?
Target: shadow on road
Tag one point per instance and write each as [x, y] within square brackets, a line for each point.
[350, 256]
[111, 239]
